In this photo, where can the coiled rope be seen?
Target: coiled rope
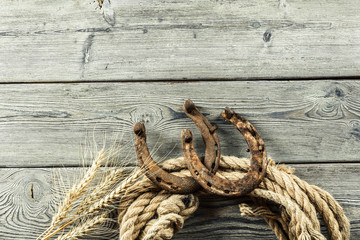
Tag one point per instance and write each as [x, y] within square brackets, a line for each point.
[146, 212]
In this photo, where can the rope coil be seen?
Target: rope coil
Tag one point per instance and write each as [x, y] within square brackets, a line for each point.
[146, 212]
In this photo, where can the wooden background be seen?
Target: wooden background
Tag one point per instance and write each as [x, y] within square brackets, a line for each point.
[73, 75]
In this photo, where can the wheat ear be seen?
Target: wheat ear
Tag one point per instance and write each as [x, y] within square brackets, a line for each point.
[115, 194]
[100, 190]
[103, 203]
[85, 228]
[75, 193]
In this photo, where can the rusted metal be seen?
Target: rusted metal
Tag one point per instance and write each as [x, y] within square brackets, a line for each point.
[208, 132]
[156, 174]
[220, 186]
[168, 181]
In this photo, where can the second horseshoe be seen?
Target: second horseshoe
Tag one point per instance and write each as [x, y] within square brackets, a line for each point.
[168, 181]
[208, 133]
[220, 186]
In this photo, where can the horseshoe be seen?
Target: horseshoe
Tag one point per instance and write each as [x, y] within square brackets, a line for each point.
[208, 132]
[220, 186]
[156, 174]
[168, 181]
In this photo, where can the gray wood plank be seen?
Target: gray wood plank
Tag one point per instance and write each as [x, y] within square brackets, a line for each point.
[196, 39]
[25, 213]
[53, 124]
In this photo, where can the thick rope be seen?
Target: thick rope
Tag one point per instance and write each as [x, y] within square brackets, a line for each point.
[146, 212]
[171, 216]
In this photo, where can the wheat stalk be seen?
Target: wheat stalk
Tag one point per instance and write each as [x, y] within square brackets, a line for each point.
[101, 189]
[115, 194]
[77, 190]
[74, 194]
[103, 203]
[85, 228]
[61, 228]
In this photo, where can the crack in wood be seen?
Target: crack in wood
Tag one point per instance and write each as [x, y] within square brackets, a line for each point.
[86, 53]
[32, 191]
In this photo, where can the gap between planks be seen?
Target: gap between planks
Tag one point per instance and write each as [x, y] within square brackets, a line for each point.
[342, 78]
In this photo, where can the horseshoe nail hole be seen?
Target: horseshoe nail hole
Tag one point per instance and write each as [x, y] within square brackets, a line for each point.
[174, 187]
[158, 179]
[261, 148]
[228, 113]
[196, 173]
[212, 129]
[189, 106]
[253, 133]
[209, 184]
[188, 139]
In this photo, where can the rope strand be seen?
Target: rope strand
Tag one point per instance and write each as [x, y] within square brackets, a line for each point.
[146, 213]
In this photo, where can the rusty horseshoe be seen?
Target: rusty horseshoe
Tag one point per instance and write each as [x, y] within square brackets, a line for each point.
[168, 181]
[220, 186]
[156, 174]
[208, 132]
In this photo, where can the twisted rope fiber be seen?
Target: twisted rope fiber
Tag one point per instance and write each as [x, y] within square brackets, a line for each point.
[146, 212]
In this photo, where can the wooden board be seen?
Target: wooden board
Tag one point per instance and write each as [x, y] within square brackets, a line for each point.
[46, 41]
[28, 197]
[46, 125]
[95, 72]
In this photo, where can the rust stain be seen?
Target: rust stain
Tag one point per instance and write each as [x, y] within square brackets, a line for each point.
[220, 186]
[168, 181]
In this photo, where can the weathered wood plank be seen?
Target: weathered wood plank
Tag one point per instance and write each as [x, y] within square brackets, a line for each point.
[45, 124]
[28, 197]
[196, 39]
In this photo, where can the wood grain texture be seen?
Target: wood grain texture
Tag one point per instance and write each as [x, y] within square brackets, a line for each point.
[45, 125]
[28, 197]
[184, 39]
